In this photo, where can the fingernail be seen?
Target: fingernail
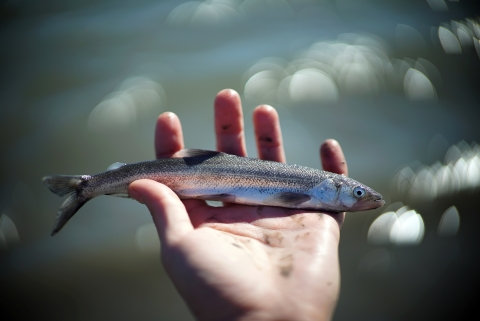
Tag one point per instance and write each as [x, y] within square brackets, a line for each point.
[229, 91]
[267, 108]
[168, 114]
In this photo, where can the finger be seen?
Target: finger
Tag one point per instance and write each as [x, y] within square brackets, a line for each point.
[334, 161]
[168, 135]
[229, 123]
[168, 212]
[268, 134]
[332, 157]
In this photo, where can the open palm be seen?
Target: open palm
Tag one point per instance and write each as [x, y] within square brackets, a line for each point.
[240, 262]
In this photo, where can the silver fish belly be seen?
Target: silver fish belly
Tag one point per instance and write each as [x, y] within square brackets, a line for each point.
[211, 175]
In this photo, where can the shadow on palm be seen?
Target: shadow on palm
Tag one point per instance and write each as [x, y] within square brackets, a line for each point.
[266, 224]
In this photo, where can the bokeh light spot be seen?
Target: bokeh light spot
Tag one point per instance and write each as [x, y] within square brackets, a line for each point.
[8, 232]
[379, 231]
[312, 85]
[402, 227]
[449, 41]
[449, 222]
[438, 5]
[262, 86]
[408, 229]
[418, 87]
[353, 65]
[147, 240]
[137, 98]
[459, 172]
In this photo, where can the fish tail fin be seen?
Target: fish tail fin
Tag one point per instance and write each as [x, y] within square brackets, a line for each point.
[65, 185]
[62, 184]
[71, 205]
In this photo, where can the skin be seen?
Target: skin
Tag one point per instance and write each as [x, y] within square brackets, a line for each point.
[242, 262]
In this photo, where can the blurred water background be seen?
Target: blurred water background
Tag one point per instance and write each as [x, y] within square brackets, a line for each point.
[395, 82]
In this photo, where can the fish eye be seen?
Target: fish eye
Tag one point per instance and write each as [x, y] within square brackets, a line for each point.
[358, 191]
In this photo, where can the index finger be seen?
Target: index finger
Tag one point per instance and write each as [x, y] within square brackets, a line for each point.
[168, 135]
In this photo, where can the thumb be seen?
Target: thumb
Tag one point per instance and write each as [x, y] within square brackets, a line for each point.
[168, 212]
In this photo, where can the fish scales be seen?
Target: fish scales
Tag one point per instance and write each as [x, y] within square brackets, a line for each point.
[219, 176]
[231, 172]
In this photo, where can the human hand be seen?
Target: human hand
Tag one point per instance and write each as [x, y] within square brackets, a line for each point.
[240, 262]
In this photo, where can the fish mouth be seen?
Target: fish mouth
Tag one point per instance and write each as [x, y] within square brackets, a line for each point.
[378, 201]
[368, 204]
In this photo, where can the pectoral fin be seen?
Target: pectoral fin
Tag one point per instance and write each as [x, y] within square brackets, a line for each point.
[119, 195]
[288, 199]
[219, 197]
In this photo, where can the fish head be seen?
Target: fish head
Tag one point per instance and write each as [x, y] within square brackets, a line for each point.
[340, 193]
[364, 197]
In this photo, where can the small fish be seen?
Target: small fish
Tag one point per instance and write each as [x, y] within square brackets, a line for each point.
[211, 175]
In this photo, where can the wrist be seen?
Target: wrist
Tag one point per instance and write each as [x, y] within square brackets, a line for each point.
[287, 312]
[277, 316]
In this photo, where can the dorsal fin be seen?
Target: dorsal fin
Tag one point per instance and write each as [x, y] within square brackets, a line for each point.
[115, 165]
[190, 152]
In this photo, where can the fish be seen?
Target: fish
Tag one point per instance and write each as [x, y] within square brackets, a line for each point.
[218, 176]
